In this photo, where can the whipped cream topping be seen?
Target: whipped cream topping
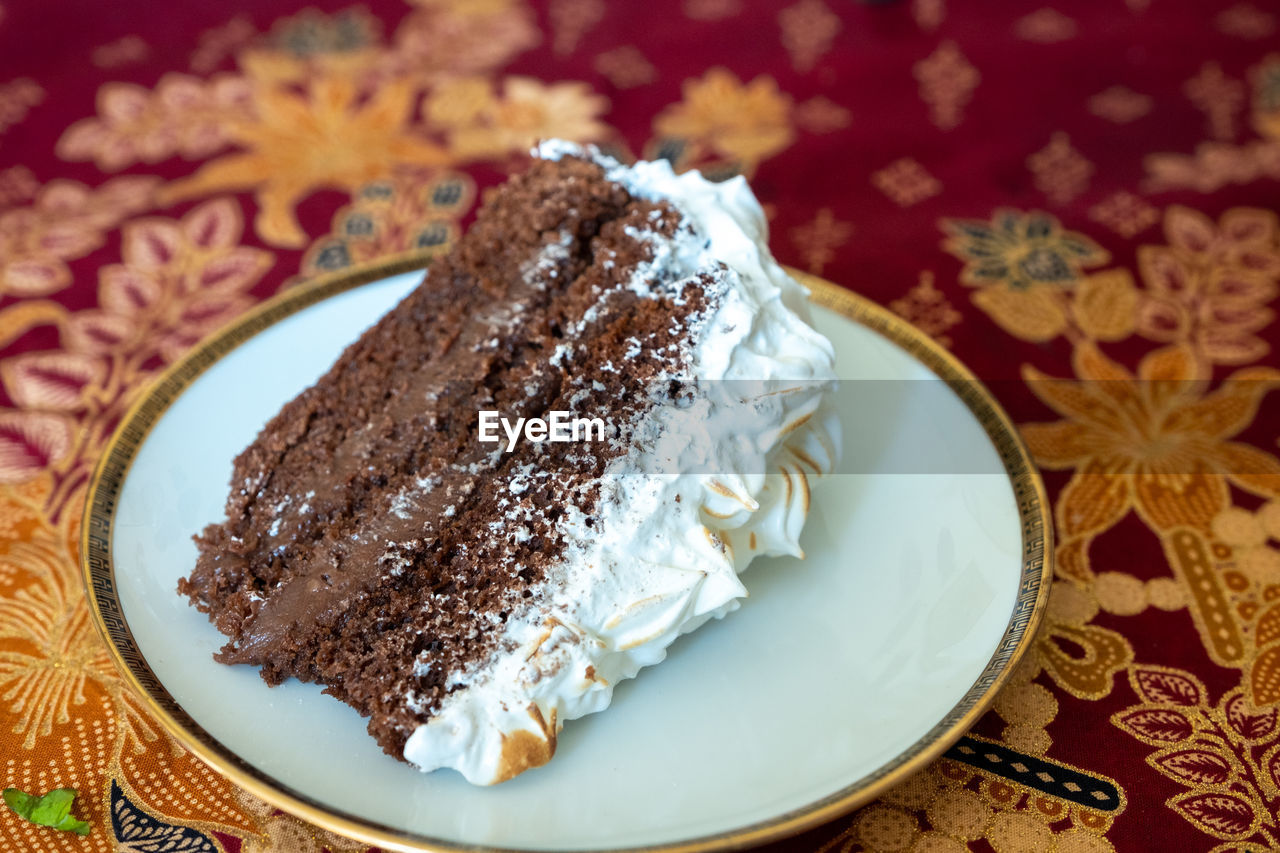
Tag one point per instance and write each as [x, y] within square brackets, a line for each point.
[667, 542]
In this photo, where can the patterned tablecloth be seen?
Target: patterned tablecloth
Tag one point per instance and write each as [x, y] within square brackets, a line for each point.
[1084, 190]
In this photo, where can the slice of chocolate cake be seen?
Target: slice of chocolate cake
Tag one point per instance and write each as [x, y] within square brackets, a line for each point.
[551, 459]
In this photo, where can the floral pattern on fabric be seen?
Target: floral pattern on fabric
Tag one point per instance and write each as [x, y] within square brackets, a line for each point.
[1153, 442]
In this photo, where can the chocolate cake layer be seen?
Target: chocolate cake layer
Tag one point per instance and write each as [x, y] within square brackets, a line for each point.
[371, 542]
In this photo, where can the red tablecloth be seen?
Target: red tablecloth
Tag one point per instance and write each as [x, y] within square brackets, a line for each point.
[1081, 190]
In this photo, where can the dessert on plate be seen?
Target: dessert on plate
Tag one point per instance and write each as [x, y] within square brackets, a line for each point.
[410, 531]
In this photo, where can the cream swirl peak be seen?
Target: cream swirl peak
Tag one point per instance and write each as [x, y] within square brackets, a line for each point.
[469, 597]
[664, 554]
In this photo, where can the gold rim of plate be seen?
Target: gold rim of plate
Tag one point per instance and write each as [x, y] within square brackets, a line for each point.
[104, 603]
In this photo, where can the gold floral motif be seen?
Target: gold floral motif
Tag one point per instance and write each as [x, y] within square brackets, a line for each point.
[17, 184]
[1223, 752]
[906, 182]
[949, 805]
[312, 33]
[58, 688]
[1026, 267]
[481, 124]
[52, 381]
[408, 212]
[1266, 97]
[947, 80]
[1214, 598]
[179, 790]
[279, 832]
[320, 103]
[220, 42]
[54, 671]
[1217, 164]
[571, 20]
[185, 116]
[1246, 21]
[820, 114]
[1245, 566]
[179, 280]
[929, 14]
[48, 647]
[626, 67]
[31, 443]
[1213, 166]
[1019, 250]
[1045, 26]
[1125, 213]
[123, 51]
[808, 30]
[1061, 172]
[819, 240]
[1126, 595]
[328, 137]
[1027, 708]
[442, 39]
[60, 692]
[1040, 312]
[67, 220]
[711, 10]
[17, 97]
[1209, 287]
[1248, 533]
[1218, 96]
[1080, 657]
[1120, 104]
[927, 307]
[1155, 443]
[747, 123]
[314, 44]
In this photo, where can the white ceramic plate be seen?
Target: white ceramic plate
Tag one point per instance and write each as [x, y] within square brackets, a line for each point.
[840, 674]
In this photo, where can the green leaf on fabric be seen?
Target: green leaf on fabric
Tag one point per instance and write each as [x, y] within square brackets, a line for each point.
[52, 810]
